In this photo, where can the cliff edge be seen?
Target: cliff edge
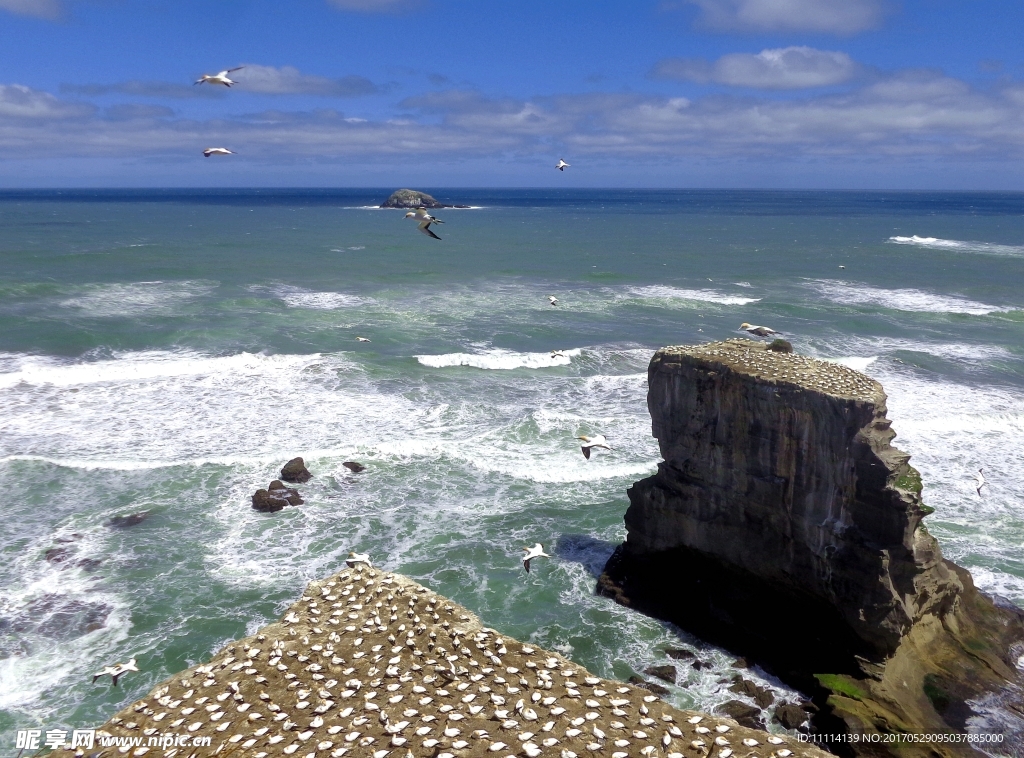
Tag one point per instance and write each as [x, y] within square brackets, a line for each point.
[784, 526]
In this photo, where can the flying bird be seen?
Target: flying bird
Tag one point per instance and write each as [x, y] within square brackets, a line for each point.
[537, 551]
[561, 165]
[425, 220]
[552, 299]
[980, 481]
[221, 78]
[362, 339]
[760, 331]
[592, 442]
[115, 671]
[217, 151]
[354, 558]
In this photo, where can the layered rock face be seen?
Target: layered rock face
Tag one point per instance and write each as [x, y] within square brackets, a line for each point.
[783, 525]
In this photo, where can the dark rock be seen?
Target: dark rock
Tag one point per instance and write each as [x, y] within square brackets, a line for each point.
[354, 467]
[760, 695]
[780, 346]
[698, 664]
[742, 714]
[740, 663]
[643, 684]
[665, 673]
[295, 471]
[275, 497]
[781, 497]
[89, 564]
[790, 716]
[679, 653]
[123, 522]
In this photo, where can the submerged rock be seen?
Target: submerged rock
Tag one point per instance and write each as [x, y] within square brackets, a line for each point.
[295, 471]
[784, 526]
[354, 467]
[132, 519]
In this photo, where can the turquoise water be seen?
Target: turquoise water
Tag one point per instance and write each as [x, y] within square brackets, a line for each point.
[169, 351]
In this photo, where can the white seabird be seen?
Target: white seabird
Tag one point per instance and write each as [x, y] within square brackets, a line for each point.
[561, 165]
[979, 478]
[217, 151]
[362, 339]
[354, 558]
[592, 442]
[537, 551]
[557, 353]
[220, 78]
[552, 299]
[425, 220]
[760, 331]
[115, 671]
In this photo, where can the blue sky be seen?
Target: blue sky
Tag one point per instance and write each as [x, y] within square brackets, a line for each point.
[922, 94]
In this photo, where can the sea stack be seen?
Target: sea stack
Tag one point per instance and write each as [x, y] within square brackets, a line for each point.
[784, 526]
[407, 198]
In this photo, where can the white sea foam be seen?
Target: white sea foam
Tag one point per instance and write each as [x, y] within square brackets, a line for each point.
[499, 359]
[953, 351]
[146, 365]
[850, 293]
[662, 292]
[135, 298]
[857, 363]
[960, 246]
[297, 297]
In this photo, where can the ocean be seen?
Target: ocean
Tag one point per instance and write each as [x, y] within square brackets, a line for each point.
[168, 351]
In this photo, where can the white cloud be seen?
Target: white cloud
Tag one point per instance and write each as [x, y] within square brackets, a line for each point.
[49, 9]
[830, 16]
[893, 120]
[782, 68]
[19, 102]
[288, 80]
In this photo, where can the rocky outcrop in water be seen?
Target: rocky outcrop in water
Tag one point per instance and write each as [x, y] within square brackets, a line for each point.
[275, 497]
[784, 526]
[295, 471]
[407, 198]
[369, 663]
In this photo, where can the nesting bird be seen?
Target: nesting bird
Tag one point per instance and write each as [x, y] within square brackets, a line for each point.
[354, 558]
[115, 671]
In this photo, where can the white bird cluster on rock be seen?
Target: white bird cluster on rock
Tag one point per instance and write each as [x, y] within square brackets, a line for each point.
[753, 358]
[368, 663]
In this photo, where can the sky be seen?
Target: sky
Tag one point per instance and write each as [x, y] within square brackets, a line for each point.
[844, 94]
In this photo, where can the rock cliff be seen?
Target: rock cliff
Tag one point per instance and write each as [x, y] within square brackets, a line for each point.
[783, 525]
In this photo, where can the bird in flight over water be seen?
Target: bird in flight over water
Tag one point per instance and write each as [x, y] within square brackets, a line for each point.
[425, 220]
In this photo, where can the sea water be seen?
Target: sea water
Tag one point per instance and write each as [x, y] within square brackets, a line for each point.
[168, 351]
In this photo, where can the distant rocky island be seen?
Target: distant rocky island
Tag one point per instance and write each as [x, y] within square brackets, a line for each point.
[783, 526]
[407, 198]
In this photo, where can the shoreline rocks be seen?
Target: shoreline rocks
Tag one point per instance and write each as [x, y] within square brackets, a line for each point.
[371, 663]
[783, 526]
